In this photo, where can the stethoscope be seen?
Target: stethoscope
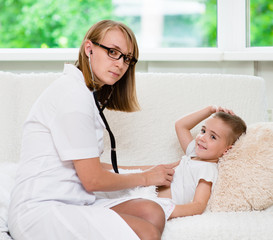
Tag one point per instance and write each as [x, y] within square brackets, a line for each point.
[101, 108]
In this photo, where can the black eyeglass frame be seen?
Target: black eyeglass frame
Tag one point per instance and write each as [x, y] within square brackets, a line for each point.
[132, 62]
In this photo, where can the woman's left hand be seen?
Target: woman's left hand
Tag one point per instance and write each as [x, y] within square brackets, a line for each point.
[160, 175]
[171, 165]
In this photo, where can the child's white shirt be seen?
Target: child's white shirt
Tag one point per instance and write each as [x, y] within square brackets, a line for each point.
[188, 174]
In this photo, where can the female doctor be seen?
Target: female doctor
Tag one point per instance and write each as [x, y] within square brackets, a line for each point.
[62, 142]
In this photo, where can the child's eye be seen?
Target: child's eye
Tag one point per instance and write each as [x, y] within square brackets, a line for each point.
[213, 137]
[203, 130]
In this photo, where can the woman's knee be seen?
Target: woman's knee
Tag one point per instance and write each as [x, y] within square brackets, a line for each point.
[151, 209]
[144, 229]
[154, 213]
[145, 209]
[151, 212]
[153, 234]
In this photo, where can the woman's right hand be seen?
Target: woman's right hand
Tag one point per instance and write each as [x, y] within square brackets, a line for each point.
[160, 175]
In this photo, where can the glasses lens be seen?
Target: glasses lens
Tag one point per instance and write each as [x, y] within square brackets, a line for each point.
[127, 59]
[133, 61]
[114, 53]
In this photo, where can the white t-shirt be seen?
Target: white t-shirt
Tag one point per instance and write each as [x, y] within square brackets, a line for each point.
[188, 174]
[63, 125]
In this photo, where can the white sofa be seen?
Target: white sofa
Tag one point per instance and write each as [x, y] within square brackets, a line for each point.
[148, 137]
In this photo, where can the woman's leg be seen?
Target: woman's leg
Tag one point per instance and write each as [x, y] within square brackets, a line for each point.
[145, 217]
[142, 228]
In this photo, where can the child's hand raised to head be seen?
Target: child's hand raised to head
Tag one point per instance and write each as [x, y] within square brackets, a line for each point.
[215, 109]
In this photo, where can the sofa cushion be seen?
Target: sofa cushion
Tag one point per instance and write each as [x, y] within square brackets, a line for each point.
[17, 94]
[7, 180]
[245, 180]
[148, 136]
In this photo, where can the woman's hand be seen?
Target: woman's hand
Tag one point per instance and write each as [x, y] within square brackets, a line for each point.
[160, 175]
[95, 176]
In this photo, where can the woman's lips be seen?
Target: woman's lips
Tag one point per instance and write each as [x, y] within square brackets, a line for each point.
[114, 74]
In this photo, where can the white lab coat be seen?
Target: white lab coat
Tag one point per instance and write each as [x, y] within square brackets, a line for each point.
[49, 201]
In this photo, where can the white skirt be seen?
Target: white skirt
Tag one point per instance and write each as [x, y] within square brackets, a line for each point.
[55, 220]
[60, 221]
[111, 199]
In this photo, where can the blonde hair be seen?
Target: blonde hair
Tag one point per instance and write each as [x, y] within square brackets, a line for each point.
[124, 96]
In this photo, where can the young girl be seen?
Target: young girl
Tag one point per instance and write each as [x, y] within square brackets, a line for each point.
[197, 172]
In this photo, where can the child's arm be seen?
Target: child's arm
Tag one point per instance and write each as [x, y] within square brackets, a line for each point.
[199, 203]
[186, 123]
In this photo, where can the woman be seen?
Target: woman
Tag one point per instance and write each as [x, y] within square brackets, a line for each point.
[62, 142]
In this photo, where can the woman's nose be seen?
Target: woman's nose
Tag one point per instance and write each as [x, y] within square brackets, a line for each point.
[120, 62]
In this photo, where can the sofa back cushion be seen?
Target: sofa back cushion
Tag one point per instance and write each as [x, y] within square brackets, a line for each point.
[147, 136]
[17, 94]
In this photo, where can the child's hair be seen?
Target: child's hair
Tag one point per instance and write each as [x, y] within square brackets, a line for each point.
[237, 125]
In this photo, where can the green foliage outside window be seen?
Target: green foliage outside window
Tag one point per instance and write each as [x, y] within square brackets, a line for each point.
[195, 30]
[261, 23]
[63, 23]
[46, 23]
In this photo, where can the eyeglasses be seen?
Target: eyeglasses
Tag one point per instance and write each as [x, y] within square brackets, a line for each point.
[116, 54]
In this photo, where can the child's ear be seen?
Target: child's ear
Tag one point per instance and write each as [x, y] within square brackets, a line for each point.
[226, 151]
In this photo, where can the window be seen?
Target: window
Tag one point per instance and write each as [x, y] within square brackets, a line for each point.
[167, 30]
[62, 24]
[170, 23]
[261, 24]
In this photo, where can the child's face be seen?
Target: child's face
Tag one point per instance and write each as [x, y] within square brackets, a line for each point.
[212, 141]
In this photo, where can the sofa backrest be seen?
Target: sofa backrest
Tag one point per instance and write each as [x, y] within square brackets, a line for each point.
[147, 136]
[17, 94]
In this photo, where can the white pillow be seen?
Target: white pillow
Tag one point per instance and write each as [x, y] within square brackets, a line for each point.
[7, 179]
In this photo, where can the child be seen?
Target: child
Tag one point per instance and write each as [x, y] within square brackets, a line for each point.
[197, 172]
